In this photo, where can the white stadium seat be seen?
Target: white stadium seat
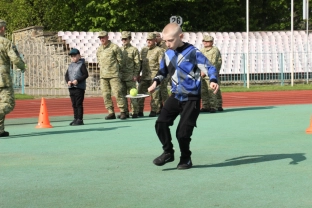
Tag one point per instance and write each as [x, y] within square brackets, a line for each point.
[231, 44]
[60, 33]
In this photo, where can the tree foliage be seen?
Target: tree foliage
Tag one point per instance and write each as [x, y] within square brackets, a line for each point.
[144, 15]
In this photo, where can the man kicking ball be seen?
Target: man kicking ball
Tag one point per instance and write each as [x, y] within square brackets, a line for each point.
[184, 63]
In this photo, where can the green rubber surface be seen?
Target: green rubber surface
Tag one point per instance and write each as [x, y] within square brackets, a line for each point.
[242, 157]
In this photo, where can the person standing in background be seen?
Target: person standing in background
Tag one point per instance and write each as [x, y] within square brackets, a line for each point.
[210, 101]
[150, 57]
[163, 89]
[75, 77]
[130, 69]
[109, 57]
[8, 55]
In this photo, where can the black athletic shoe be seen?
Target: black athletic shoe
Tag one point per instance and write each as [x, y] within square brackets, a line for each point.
[4, 134]
[185, 163]
[140, 114]
[164, 158]
[78, 122]
[71, 123]
[135, 115]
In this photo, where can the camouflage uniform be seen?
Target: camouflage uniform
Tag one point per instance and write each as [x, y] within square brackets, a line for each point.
[163, 89]
[8, 55]
[150, 58]
[130, 68]
[109, 58]
[209, 99]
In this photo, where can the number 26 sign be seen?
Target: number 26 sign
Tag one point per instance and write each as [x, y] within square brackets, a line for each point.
[176, 19]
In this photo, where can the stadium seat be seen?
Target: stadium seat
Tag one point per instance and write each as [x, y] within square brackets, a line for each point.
[65, 37]
[199, 36]
[111, 35]
[68, 33]
[231, 45]
[60, 33]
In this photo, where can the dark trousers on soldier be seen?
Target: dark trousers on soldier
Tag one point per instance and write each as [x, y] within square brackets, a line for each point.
[77, 97]
[188, 111]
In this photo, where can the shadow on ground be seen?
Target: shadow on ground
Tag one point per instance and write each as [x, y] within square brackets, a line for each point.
[86, 121]
[75, 130]
[248, 108]
[249, 159]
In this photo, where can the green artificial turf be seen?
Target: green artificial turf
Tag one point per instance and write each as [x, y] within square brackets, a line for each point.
[243, 157]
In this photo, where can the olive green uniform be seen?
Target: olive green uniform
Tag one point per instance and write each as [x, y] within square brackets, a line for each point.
[8, 55]
[150, 58]
[130, 68]
[209, 99]
[109, 58]
[163, 89]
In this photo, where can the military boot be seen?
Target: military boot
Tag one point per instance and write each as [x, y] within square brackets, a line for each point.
[123, 115]
[110, 116]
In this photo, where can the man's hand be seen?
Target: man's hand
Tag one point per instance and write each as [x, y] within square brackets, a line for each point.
[75, 82]
[214, 86]
[152, 88]
[202, 74]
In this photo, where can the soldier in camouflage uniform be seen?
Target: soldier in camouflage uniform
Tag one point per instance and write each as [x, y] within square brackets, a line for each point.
[210, 101]
[163, 89]
[150, 57]
[130, 70]
[8, 55]
[109, 57]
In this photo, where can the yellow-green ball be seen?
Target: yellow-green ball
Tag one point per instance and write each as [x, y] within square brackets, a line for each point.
[133, 92]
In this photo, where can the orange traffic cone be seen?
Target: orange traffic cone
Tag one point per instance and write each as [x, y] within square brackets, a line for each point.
[309, 129]
[43, 121]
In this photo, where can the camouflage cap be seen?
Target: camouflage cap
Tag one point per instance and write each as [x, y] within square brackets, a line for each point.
[151, 36]
[125, 34]
[102, 34]
[207, 38]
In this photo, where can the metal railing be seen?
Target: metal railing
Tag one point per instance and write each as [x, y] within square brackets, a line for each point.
[266, 68]
[47, 65]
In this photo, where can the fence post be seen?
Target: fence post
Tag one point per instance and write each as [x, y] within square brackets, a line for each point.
[282, 68]
[307, 65]
[22, 75]
[23, 83]
[244, 74]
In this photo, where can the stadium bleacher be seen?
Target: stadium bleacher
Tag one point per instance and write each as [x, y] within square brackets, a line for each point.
[233, 46]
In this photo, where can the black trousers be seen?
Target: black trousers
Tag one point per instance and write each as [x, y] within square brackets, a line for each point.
[77, 97]
[188, 111]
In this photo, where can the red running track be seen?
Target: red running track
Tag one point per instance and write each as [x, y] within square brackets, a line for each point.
[95, 105]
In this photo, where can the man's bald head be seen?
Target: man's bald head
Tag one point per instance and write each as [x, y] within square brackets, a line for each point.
[172, 34]
[172, 29]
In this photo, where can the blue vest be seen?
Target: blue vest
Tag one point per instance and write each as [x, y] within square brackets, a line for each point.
[74, 73]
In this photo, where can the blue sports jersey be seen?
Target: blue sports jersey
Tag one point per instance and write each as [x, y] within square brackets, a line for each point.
[184, 66]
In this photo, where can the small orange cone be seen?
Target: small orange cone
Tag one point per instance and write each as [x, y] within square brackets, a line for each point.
[309, 129]
[43, 121]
